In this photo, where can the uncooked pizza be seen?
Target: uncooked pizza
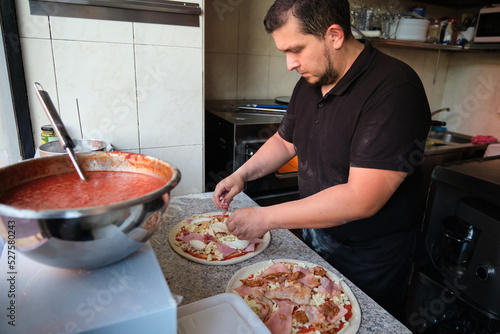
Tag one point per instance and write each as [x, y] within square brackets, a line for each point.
[292, 296]
[204, 238]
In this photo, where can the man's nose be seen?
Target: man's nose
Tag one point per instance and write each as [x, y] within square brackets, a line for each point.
[292, 63]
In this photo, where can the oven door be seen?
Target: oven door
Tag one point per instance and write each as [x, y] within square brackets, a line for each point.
[277, 187]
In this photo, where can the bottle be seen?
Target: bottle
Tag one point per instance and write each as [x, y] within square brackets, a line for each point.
[48, 134]
[451, 32]
[433, 31]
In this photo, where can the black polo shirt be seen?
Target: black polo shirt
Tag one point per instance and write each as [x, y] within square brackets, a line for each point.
[377, 116]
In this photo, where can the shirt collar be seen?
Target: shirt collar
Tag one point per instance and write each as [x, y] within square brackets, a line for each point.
[360, 65]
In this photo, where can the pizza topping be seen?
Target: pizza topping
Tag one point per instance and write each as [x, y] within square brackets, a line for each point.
[197, 244]
[318, 271]
[300, 316]
[207, 237]
[280, 321]
[282, 298]
[295, 292]
[251, 282]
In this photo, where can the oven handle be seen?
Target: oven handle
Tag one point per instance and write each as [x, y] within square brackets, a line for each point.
[286, 175]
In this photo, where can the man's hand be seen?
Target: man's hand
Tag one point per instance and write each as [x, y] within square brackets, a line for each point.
[226, 190]
[248, 223]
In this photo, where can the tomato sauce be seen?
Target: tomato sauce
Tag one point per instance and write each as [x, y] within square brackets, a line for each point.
[68, 191]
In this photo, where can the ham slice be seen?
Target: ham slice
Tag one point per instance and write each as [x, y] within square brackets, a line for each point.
[251, 246]
[309, 278]
[342, 311]
[246, 290]
[276, 268]
[281, 320]
[316, 318]
[295, 292]
[329, 287]
[190, 236]
[224, 249]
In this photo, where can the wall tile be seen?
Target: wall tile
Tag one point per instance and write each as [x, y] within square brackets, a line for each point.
[281, 80]
[221, 76]
[39, 67]
[189, 160]
[35, 26]
[101, 76]
[77, 29]
[168, 35]
[471, 91]
[253, 77]
[169, 96]
[253, 39]
[221, 26]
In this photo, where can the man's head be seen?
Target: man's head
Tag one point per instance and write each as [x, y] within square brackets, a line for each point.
[314, 16]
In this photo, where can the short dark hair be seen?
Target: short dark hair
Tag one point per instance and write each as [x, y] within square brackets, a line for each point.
[315, 16]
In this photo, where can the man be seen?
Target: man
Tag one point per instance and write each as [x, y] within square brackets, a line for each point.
[356, 121]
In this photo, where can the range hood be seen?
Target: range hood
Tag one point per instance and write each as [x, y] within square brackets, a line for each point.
[146, 11]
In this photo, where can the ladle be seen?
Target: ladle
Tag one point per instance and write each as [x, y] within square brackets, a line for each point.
[60, 130]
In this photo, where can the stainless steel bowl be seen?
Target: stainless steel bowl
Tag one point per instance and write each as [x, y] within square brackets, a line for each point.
[87, 237]
[81, 146]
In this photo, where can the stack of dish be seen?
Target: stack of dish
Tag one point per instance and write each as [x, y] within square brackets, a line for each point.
[411, 29]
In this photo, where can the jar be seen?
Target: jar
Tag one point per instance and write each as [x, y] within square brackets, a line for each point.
[48, 134]
[433, 31]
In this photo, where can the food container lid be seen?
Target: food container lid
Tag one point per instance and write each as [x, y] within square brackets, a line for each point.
[47, 127]
[222, 313]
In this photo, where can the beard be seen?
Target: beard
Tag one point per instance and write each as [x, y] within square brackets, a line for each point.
[330, 74]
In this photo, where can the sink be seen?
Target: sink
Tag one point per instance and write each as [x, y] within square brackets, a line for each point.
[448, 137]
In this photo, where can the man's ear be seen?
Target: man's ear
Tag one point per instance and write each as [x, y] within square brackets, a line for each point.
[335, 35]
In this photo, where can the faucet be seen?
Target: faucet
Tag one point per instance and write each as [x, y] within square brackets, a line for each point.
[439, 110]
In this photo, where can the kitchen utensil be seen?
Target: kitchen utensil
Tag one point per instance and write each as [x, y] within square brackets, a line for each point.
[86, 237]
[59, 128]
[81, 146]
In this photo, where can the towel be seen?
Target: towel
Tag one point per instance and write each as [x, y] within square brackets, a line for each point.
[482, 140]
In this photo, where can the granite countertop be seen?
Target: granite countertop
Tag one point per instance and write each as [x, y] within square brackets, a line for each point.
[194, 281]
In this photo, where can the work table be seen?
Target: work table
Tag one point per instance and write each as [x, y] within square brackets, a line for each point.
[194, 281]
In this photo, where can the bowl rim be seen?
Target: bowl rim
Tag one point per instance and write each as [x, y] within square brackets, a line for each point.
[12, 212]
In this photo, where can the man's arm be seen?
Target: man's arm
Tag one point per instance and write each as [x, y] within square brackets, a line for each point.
[365, 193]
[272, 155]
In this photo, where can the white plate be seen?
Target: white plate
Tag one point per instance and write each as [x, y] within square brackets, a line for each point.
[223, 313]
[171, 240]
[245, 272]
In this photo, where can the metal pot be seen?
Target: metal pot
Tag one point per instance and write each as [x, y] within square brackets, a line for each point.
[87, 237]
[81, 146]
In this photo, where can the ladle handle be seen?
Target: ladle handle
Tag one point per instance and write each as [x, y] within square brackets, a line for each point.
[54, 118]
[62, 134]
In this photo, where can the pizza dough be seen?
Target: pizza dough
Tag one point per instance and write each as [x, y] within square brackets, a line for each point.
[210, 234]
[258, 268]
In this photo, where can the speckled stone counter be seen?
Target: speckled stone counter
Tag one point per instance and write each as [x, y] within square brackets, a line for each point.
[194, 281]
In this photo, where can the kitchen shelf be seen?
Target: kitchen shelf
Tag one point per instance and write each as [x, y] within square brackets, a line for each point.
[429, 46]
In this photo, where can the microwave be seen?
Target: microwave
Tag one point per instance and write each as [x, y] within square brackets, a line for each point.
[488, 26]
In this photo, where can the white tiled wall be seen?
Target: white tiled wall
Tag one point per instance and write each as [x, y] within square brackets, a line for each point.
[243, 62]
[137, 86]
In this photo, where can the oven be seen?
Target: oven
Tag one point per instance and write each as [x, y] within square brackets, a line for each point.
[233, 133]
[457, 286]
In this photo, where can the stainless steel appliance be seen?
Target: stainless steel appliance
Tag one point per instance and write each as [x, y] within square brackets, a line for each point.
[462, 240]
[234, 131]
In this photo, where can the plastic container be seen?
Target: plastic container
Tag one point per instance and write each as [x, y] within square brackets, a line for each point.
[222, 313]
